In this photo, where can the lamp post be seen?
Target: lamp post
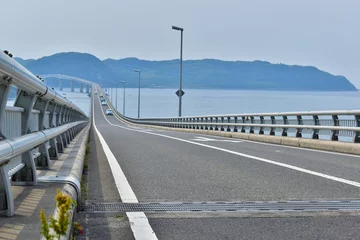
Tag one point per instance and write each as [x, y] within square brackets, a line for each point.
[181, 46]
[124, 98]
[111, 97]
[138, 71]
[116, 90]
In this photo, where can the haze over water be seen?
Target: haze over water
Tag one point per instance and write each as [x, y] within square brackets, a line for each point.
[164, 102]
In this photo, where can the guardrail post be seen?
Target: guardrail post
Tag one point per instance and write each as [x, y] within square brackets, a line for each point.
[59, 116]
[26, 102]
[252, 121]
[261, 130]
[6, 197]
[357, 134]
[64, 135]
[72, 134]
[272, 130]
[243, 127]
[42, 106]
[53, 151]
[229, 121]
[235, 121]
[64, 121]
[222, 127]
[216, 121]
[335, 133]
[26, 175]
[299, 130]
[315, 134]
[4, 93]
[286, 122]
[65, 115]
[60, 141]
[44, 158]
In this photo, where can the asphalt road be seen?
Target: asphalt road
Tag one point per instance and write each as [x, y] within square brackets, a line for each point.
[172, 166]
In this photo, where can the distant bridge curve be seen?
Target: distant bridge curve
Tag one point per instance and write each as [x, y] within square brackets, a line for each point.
[82, 82]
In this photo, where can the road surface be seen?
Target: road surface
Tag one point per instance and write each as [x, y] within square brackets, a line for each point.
[166, 166]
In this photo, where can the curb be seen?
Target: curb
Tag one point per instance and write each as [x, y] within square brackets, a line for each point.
[76, 171]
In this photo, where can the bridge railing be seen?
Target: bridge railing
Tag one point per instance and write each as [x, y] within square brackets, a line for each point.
[36, 129]
[326, 125]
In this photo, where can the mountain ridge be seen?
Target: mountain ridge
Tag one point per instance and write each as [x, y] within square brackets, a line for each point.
[198, 74]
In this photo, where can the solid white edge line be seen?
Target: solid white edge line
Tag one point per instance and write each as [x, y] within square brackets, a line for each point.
[139, 223]
[314, 173]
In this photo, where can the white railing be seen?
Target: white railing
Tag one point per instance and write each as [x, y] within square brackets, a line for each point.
[39, 126]
[324, 125]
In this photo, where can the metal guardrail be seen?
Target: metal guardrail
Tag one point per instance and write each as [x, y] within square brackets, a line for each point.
[36, 129]
[325, 125]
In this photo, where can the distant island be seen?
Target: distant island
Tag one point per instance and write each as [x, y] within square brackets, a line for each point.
[197, 74]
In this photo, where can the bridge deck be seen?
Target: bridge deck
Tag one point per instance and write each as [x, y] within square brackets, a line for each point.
[165, 166]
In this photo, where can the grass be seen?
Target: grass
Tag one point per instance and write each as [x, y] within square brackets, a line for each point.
[119, 216]
[84, 187]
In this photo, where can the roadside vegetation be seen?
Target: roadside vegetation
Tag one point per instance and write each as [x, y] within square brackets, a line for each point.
[57, 227]
[84, 187]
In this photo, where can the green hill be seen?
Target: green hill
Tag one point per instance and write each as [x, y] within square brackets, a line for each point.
[206, 73]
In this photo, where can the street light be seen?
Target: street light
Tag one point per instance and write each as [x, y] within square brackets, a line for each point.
[124, 98]
[111, 89]
[180, 93]
[138, 71]
[116, 90]
[111, 97]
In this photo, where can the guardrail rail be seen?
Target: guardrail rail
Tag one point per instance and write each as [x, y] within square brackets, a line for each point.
[36, 129]
[341, 125]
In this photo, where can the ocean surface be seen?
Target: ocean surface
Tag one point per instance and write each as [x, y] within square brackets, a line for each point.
[164, 102]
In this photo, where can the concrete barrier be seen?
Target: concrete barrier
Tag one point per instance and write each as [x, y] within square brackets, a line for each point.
[341, 147]
[76, 171]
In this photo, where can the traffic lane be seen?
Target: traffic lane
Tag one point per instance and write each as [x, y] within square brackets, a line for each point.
[161, 169]
[334, 164]
[256, 228]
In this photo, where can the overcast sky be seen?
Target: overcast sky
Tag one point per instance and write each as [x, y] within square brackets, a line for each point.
[322, 33]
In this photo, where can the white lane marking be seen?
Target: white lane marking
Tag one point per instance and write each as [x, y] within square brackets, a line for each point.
[314, 173]
[139, 223]
[203, 139]
[284, 146]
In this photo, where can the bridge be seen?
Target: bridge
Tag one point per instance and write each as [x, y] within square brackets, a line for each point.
[240, 176]
[61, 77]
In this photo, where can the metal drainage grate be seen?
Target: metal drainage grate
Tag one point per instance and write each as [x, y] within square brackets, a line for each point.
[223, 206]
